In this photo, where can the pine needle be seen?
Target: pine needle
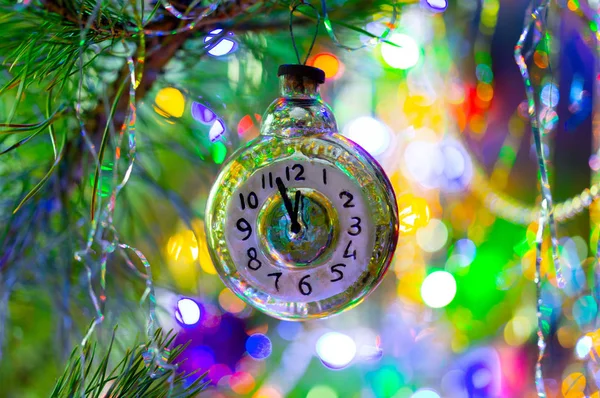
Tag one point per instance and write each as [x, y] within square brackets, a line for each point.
[131, 377]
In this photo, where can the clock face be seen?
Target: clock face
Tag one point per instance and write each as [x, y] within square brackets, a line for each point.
[302, 227]
[328, 251]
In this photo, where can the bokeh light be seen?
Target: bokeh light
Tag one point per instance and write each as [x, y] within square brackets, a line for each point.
[218, 371]
[246, 127]
[438, 289]
[445, 165]
[425, 393]
[230, 302]
[585, 310]
[187, 311]
[550, 95]
[433, 236]
[183, 246]
[387, 380]
[203, 114]
[321, 392]
[218, 152]
[369, 133]
[289, 330]
[267, 392]
[463, 253]
[242, 382]
[437, 5]
[259, 346]
[583, 346]
[328, 63]
[413, 213]
[185, 251]
[216, 131]
[169, 102]
[573, 386]
[518, 330]
[404, 55]
[223, 47]
[336, 350]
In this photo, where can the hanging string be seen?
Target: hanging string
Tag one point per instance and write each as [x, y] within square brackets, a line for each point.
[314, 39]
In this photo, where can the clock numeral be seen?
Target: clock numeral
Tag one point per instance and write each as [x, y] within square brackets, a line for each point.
[252, 201]
[349, 255]
[350, 198]
[244, 226]
[300, 172]
[355, 229]
[340, 274]
[304, 287]
[270, 181]
[287, 173]
[325, 176]
[277, 275]
[253, 258]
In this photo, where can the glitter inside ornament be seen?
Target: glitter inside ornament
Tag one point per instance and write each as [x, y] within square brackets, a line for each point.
[301, 223]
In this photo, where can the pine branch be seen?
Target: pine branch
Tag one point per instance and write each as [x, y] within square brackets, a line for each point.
[140, 373]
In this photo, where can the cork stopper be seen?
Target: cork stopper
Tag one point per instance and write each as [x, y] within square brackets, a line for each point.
[300, 81]
[302, 71]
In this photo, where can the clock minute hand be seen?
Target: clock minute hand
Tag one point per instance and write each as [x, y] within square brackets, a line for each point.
[293, 213]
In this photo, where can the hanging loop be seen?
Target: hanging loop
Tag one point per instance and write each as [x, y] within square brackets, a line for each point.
[293, 9]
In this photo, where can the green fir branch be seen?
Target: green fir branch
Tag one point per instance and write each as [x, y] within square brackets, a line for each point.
[137, 374]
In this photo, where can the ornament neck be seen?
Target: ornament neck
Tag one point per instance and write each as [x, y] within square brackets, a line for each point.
[298, 87]
[299, 111]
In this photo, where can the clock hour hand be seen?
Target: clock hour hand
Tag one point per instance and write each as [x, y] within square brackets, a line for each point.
[292, 211]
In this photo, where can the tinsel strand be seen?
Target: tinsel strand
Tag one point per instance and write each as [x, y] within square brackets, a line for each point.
[539, 145]
[541, 342]
[546, 214]
[190, 26]
[390, 27]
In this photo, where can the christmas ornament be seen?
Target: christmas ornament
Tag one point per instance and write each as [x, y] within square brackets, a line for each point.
[302, 223]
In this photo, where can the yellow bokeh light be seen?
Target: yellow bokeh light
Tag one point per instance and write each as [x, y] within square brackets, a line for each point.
[169, 102]
[517, 330]
[485, 92]
[460, 342]
[409, 285]
[203, 254]
[413, 213]
[567, 336]
[573, 386]
[478, 124]
[185, 250]
[183, 246]
[267, 392]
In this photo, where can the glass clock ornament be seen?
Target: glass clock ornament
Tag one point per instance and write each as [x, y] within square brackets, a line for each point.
[301, 223]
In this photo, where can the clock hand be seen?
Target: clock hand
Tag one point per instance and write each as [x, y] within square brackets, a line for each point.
[296, 208]
[288, 205]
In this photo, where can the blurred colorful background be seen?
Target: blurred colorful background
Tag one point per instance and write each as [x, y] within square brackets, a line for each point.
[442, 106]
